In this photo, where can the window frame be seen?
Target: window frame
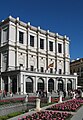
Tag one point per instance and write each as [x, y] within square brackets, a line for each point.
[5, 31]
[51, 70]
[21, 37]
[31, 40]
[42, 69]
[60, 71]
[41, 43]
[31, 68]
[50, 46]
[59, 48]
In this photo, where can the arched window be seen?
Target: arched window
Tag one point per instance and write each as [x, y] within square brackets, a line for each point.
[69, 84]
[29, 85]
[60, 84]
[40, 84]
[50, 85]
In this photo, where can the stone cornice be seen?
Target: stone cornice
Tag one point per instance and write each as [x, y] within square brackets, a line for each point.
[45, 32]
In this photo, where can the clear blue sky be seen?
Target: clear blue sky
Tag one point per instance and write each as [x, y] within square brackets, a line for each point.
[62, 16]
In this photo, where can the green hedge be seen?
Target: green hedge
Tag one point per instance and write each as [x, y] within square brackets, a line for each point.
[12, 115]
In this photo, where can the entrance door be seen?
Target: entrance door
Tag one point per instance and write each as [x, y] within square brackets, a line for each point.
[6, 85]
[50, 85]
[60, 85]
[29, 88]
[69, 85]
[40, 84]
[14, 85]
[29, 85]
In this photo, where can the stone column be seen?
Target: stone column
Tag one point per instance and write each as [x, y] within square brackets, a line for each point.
[21, 83]
[56, 84]
[73, 84]
[36, 83]
[76, 83]
[47, 37]
[17, 83]
[46, 84]
[34, 86]
[25, 85]
[56, 49]
[9, 84]
[65, 85]
[1, 84]
[17, 41]
[27, 55]
[38, 33]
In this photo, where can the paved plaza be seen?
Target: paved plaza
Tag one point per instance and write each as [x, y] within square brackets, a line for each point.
[76, 115]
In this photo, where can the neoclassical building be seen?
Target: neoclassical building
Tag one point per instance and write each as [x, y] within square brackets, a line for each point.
[77, 66]
[33, 59]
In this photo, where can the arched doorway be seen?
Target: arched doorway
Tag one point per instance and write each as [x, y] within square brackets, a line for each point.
[69, 84]
[29, 85]
[60, 84]
[5, 83]
[50, 85]
[14, 85]
[40, 84]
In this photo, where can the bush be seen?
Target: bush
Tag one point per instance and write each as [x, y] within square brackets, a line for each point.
[3, 117]
[13, 114]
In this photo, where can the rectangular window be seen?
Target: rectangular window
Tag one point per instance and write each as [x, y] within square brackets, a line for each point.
[32, 68]
[41, 43]
[42, 69]
[60, 71]
[50, 46]
[4, 60]
[31, 40]
[59, 48]
[21, 37]
[5, 35]
[51, 70]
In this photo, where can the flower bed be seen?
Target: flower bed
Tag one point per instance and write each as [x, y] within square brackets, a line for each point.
[13, 100]
[47, 115]
[71, 105]
[33, 99]
[56, 99]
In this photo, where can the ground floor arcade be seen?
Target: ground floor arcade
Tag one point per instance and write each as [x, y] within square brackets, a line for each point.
[28, 82]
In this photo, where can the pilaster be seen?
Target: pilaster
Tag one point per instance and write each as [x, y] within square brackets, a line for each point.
[35, 83]
[46, 84]
[17, 83]
[75, 83]
[34, 87]
[56, 39]
[28, 29]
[9, 84]
[21, 83]
[38, 48]
[1, 84]
[16, 46]
[65, 84]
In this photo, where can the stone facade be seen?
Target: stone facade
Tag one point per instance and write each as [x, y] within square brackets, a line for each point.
[33, 59]
[76, 66]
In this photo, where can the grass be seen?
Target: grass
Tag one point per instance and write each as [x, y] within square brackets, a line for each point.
[12, 115]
